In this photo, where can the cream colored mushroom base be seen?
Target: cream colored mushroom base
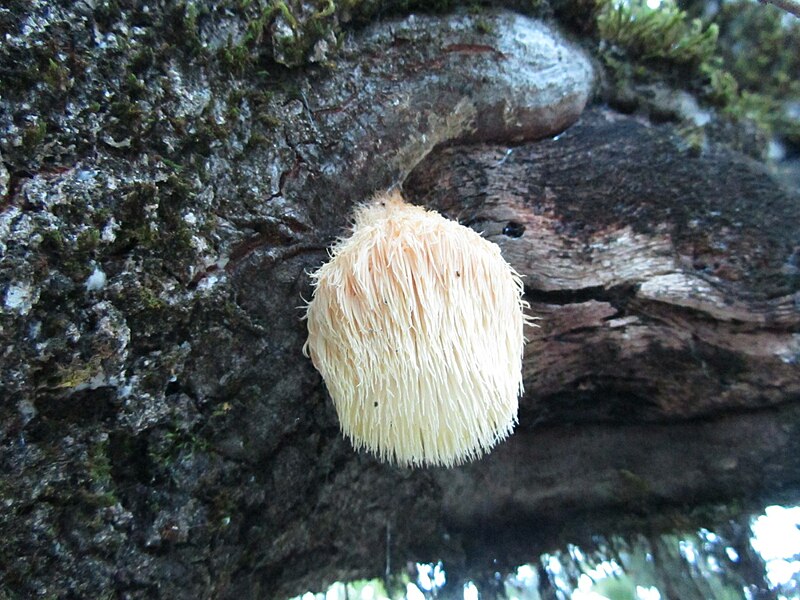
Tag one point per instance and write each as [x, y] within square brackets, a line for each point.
[416, 326]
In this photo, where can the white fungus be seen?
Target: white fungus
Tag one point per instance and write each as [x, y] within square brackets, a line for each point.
[416, 326]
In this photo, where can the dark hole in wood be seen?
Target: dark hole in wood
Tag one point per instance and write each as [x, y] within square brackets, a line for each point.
[514, 229]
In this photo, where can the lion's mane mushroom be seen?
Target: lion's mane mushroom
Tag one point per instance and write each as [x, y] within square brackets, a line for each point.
[416, 326]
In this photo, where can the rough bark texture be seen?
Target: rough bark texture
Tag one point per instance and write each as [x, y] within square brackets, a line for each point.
[162, 435]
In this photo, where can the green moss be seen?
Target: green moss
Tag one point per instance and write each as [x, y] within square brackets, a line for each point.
[235, 97]
[761, 52]
[134, 88]
[484, 27]
[236, 58]
[102, 216]
[289, 48]
[151, 219]
[100, 492]
[661, 34]
[767, 112]
[100, 464]
[234, 104]
[72, 253]
[694, 139]
[53, 241]
[128, 120]
[759, 49]
[168, 446]
[106, 13]
[745, 64]
[293, 45]
[142, 60]
[33, 135]
[221, 410]
[269, 121]
[279, 6]
[172, 164]
[88, 240]
[182, 28]
[260, 99]
[261, 107]
[292, 48]
[56, 76]
[150, 301]
[255, 141]
[73, 375]
[721, 88]
[327, 11]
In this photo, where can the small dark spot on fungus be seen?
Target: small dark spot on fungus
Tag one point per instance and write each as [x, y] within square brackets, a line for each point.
[375, 404]
[514, 229]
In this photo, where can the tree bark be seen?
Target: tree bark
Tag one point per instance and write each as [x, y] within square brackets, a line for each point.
[162, 434]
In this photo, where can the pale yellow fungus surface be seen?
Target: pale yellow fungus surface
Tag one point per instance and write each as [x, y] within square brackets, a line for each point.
[416, 326]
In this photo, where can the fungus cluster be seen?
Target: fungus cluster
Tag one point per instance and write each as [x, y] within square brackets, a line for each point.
[416, 325]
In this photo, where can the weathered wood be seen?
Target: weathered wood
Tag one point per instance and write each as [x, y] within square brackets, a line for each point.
[664, 279]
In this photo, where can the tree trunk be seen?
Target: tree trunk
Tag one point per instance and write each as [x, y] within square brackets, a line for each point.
[167, 188]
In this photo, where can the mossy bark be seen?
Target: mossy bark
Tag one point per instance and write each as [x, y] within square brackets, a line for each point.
[167, 184]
